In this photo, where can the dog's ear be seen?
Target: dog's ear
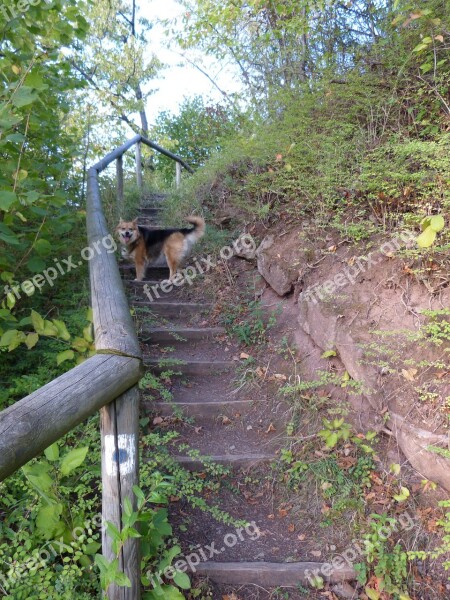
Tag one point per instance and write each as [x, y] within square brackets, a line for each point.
[135, 221]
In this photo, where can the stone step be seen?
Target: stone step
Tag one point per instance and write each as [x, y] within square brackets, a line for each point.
[190, 367]
[205, 409]
[270, 575]
[174, 335]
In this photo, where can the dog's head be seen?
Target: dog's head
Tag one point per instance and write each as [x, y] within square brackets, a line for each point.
[128, 232]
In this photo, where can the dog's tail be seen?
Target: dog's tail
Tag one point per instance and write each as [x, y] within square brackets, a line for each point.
[199, 227]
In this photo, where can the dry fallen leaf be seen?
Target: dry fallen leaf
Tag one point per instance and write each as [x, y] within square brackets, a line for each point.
[225, 420]
[244, 355]
[291, 527]
[157, 420]
[270, 428]
[409, 374]
[316, 553]
[271, 517]
[280, 376]
[301, 537]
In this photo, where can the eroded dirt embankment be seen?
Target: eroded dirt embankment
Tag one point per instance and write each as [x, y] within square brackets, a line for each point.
[365, 303]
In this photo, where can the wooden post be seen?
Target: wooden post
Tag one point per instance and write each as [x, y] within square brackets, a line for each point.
[119, 181]
[138, 166]
[177, 174]
[119, 424]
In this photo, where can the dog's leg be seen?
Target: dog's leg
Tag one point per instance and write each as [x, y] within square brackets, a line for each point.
[173, 251]
[141, 264]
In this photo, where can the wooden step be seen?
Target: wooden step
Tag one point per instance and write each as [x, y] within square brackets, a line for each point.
[150, 210]
[208, 408]
[173, 309]
[270, 575]
[238, 461]
[189, 367]
[156, 335]
[138, 285]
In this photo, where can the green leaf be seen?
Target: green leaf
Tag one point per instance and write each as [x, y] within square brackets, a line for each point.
[52, 452]
[50, 329]
[7, 199]
[426, 238]
[331, 440]
[62, 330]
[122, 580]
[12, 339]
[7, 117]
[182, 580]
[328, 354]
[38, 322]
[371, 593]
[36, 264]
[127, 507]
[48, 520]
[404, 495]
[38, 476]
[420, 47]
[34, 80]
[23, 96]
[63, 356]
[32, 340]
[395, 468]
[437, 223]
[43, 247]
[113, 532]
[73, 459]
[92, 548]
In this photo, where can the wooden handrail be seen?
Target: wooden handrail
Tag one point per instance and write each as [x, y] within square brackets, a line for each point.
[120, 151]
[106, 381]
[32, 424]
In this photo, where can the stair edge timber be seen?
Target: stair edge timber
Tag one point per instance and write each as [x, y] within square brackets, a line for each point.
[270, 575]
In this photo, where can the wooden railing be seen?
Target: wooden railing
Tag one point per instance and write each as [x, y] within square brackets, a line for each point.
[105, 382]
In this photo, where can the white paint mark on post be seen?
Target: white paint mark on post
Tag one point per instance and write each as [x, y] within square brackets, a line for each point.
[124, 455]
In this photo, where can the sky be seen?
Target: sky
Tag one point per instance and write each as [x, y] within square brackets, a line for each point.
[177, 82]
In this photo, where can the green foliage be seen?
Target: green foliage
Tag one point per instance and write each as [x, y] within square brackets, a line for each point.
[386, 559]
[151, 526]
[83, 347]
[37, 190]
[249, 323]
[49, 527]
[195, 133]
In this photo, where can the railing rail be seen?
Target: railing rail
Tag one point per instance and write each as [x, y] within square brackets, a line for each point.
[105, 382]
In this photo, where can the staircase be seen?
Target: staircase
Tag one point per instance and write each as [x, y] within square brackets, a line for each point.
[232, 425]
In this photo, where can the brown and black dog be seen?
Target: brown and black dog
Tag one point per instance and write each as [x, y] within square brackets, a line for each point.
[158, 246]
